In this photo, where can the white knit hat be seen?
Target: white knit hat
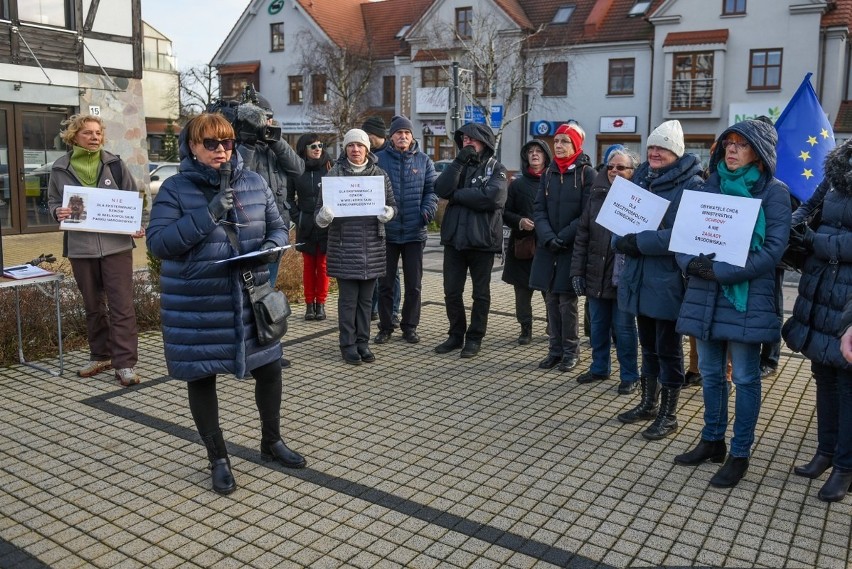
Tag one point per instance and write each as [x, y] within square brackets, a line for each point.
[668, 135]
[356, 135]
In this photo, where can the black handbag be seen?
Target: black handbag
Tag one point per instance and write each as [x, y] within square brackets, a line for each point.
[271, 310]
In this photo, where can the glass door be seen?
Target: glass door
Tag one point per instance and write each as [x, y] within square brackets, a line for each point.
[40, 146]
[6, 196]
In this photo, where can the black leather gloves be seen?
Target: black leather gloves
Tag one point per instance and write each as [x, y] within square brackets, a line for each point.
[702, 267]
[801, 235]
[271, 256]
[221, 203]
[579, 284]
[628, 246]
[467, 155]
[555, 245]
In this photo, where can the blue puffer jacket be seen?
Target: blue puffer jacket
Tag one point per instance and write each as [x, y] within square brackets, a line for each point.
[826, 283]
[651, 285]
[412, 175]
[208, 325]
[706, 313]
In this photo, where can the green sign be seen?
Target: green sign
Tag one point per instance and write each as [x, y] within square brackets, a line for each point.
[275, 6]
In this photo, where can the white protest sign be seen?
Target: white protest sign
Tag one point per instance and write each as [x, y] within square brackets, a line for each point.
[351, 196]
[631, 209]
[714, 223]
[102, 211]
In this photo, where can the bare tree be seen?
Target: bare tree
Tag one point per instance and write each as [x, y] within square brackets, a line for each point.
[197, 88]
[346, 71]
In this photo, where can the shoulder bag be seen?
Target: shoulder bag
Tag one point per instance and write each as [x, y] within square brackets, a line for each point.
[271, 310]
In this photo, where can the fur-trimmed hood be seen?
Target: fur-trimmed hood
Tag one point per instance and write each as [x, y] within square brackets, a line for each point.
[838, 168]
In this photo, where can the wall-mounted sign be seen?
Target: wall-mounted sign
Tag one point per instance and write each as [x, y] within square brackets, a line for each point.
[476, 114]
[618, 124]
[275, 6]
[545, 128]
[94, 110]
[738, 112]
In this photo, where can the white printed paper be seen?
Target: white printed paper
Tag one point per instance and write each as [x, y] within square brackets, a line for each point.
[352, 196]
[715, 223]
[257, 253]
[631, 209]
[102, 211]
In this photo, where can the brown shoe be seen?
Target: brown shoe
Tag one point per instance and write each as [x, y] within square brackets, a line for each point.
[94, 367]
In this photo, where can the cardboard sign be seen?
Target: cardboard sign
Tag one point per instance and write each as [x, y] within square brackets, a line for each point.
[631, 209]
[102, 211]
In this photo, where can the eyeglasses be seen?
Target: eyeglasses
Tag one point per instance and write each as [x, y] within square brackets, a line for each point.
[316, 146]
[212, 144]
[619, 167]
[737, 145]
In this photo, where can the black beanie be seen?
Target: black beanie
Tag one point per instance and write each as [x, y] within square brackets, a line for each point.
[375, 125]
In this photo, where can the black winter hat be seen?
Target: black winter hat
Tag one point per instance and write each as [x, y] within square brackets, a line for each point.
[375, 125]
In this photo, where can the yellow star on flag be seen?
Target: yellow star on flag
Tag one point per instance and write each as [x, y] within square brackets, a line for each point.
[805, 155]
[808, 174]
[824, 133]
[812, 140]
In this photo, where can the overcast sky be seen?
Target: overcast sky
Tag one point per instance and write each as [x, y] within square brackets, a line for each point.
[196, 27]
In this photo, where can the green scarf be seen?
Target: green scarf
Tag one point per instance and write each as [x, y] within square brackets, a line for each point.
[739, 183]
[86, 164]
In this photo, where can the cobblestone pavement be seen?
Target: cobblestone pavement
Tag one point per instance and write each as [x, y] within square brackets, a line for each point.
[417, 460]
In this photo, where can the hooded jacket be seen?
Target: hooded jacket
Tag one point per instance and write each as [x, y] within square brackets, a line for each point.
[303, 193]
[412, 175]
[476, 194]
[519, 204]
[706, 313]
[207, 320]
[559, 204]
[826, 283]
[652, 285]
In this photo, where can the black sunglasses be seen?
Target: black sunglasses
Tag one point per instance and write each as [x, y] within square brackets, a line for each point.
[212, 144]
[619, 167]
[316, 146]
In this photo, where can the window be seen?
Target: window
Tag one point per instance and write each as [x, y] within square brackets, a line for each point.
[563, 14]
[433, 77]
[157, 54]
[692, 82]
[296, 88]
[639, 8]
[389, 91]
[464, 17]
[621, 73]
[732, 7]
[319, 94]
[48, 12]
[481, 83]
[765, 69]
[276, 36]
[402, 31]
[555, 79]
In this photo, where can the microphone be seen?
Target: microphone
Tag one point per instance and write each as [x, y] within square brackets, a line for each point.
[224, 176]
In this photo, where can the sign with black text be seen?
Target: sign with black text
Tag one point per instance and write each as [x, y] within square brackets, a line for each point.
[102, 211]
[352, 196]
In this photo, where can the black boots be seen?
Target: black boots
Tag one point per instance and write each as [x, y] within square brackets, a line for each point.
[273, 448]
[839, 483]
[647, 408]
[814, 469]
[731, 472]
[310, 311]
[666, 421]
[714, 451]
[526, 334]
[319, 311]
[221, 476]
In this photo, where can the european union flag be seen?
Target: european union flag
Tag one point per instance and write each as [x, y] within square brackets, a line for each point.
[804, 139]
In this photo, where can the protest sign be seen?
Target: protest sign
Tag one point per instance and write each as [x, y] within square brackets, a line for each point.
[714, 223]
[351, 196]
[631, 209]
[102, 211]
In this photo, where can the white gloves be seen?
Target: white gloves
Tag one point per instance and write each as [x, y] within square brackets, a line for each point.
[325, 216]
[386, 215]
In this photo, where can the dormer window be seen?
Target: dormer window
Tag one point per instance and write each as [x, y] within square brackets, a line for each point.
[563, 14]
[639, 8]
[402, 31]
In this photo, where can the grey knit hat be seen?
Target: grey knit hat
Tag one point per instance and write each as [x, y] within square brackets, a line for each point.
[400, 122]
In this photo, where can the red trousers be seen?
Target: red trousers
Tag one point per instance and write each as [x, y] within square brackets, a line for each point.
[315, 278]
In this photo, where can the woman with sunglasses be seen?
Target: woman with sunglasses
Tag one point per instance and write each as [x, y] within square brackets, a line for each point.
[593, 274]
[212, 210]
[303, 193]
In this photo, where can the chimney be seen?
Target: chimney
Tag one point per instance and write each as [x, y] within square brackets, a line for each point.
[596, 16]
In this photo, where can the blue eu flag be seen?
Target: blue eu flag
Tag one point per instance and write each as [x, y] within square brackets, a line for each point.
[804, 139]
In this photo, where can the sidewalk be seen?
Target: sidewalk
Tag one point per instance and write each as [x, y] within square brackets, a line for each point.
[417, 460]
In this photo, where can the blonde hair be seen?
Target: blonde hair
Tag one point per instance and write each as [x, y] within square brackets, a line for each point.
[75, 123]
[208, 125]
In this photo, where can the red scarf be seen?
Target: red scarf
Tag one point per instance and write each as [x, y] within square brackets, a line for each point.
[535, 174]
[564, 163]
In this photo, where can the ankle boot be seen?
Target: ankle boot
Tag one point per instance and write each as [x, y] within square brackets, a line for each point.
[310, 311]
[526, 334]
[839, 483]
[319, 309]
[666, 421]
[714, 451]
[814, 469]
[221, 476]
[647, 408]
[731, 472]
[273, 448]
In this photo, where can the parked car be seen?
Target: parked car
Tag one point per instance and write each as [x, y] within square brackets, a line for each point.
[163, 171]
[441, 165]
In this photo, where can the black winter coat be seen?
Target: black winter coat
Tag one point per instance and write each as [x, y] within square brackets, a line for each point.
[559, 204]
[275, 163]
[303, 193]
[594, 257]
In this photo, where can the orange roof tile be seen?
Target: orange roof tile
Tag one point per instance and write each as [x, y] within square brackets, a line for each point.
[839, 15]
[697, 37]
[616, 26]
[843, 122]
[516, 12]
[341, 20]
[384, 20]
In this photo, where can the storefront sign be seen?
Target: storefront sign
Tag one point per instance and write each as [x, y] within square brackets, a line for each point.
[545, 128]
[618, 124]
[739, 112]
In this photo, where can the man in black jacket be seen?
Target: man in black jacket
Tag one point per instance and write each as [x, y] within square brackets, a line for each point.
[475, 185]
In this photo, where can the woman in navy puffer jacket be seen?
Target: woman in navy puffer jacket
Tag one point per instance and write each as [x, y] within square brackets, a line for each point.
[207, 320]
[730, 309]
[817, 323]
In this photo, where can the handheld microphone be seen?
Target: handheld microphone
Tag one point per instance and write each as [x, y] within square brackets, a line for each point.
[224, 176]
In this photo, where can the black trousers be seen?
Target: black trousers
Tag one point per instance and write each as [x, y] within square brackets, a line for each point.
[662, 350]
[456, 266]
[412, 275]
[354, 302]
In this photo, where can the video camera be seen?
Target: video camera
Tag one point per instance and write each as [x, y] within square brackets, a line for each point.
[248, 117]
